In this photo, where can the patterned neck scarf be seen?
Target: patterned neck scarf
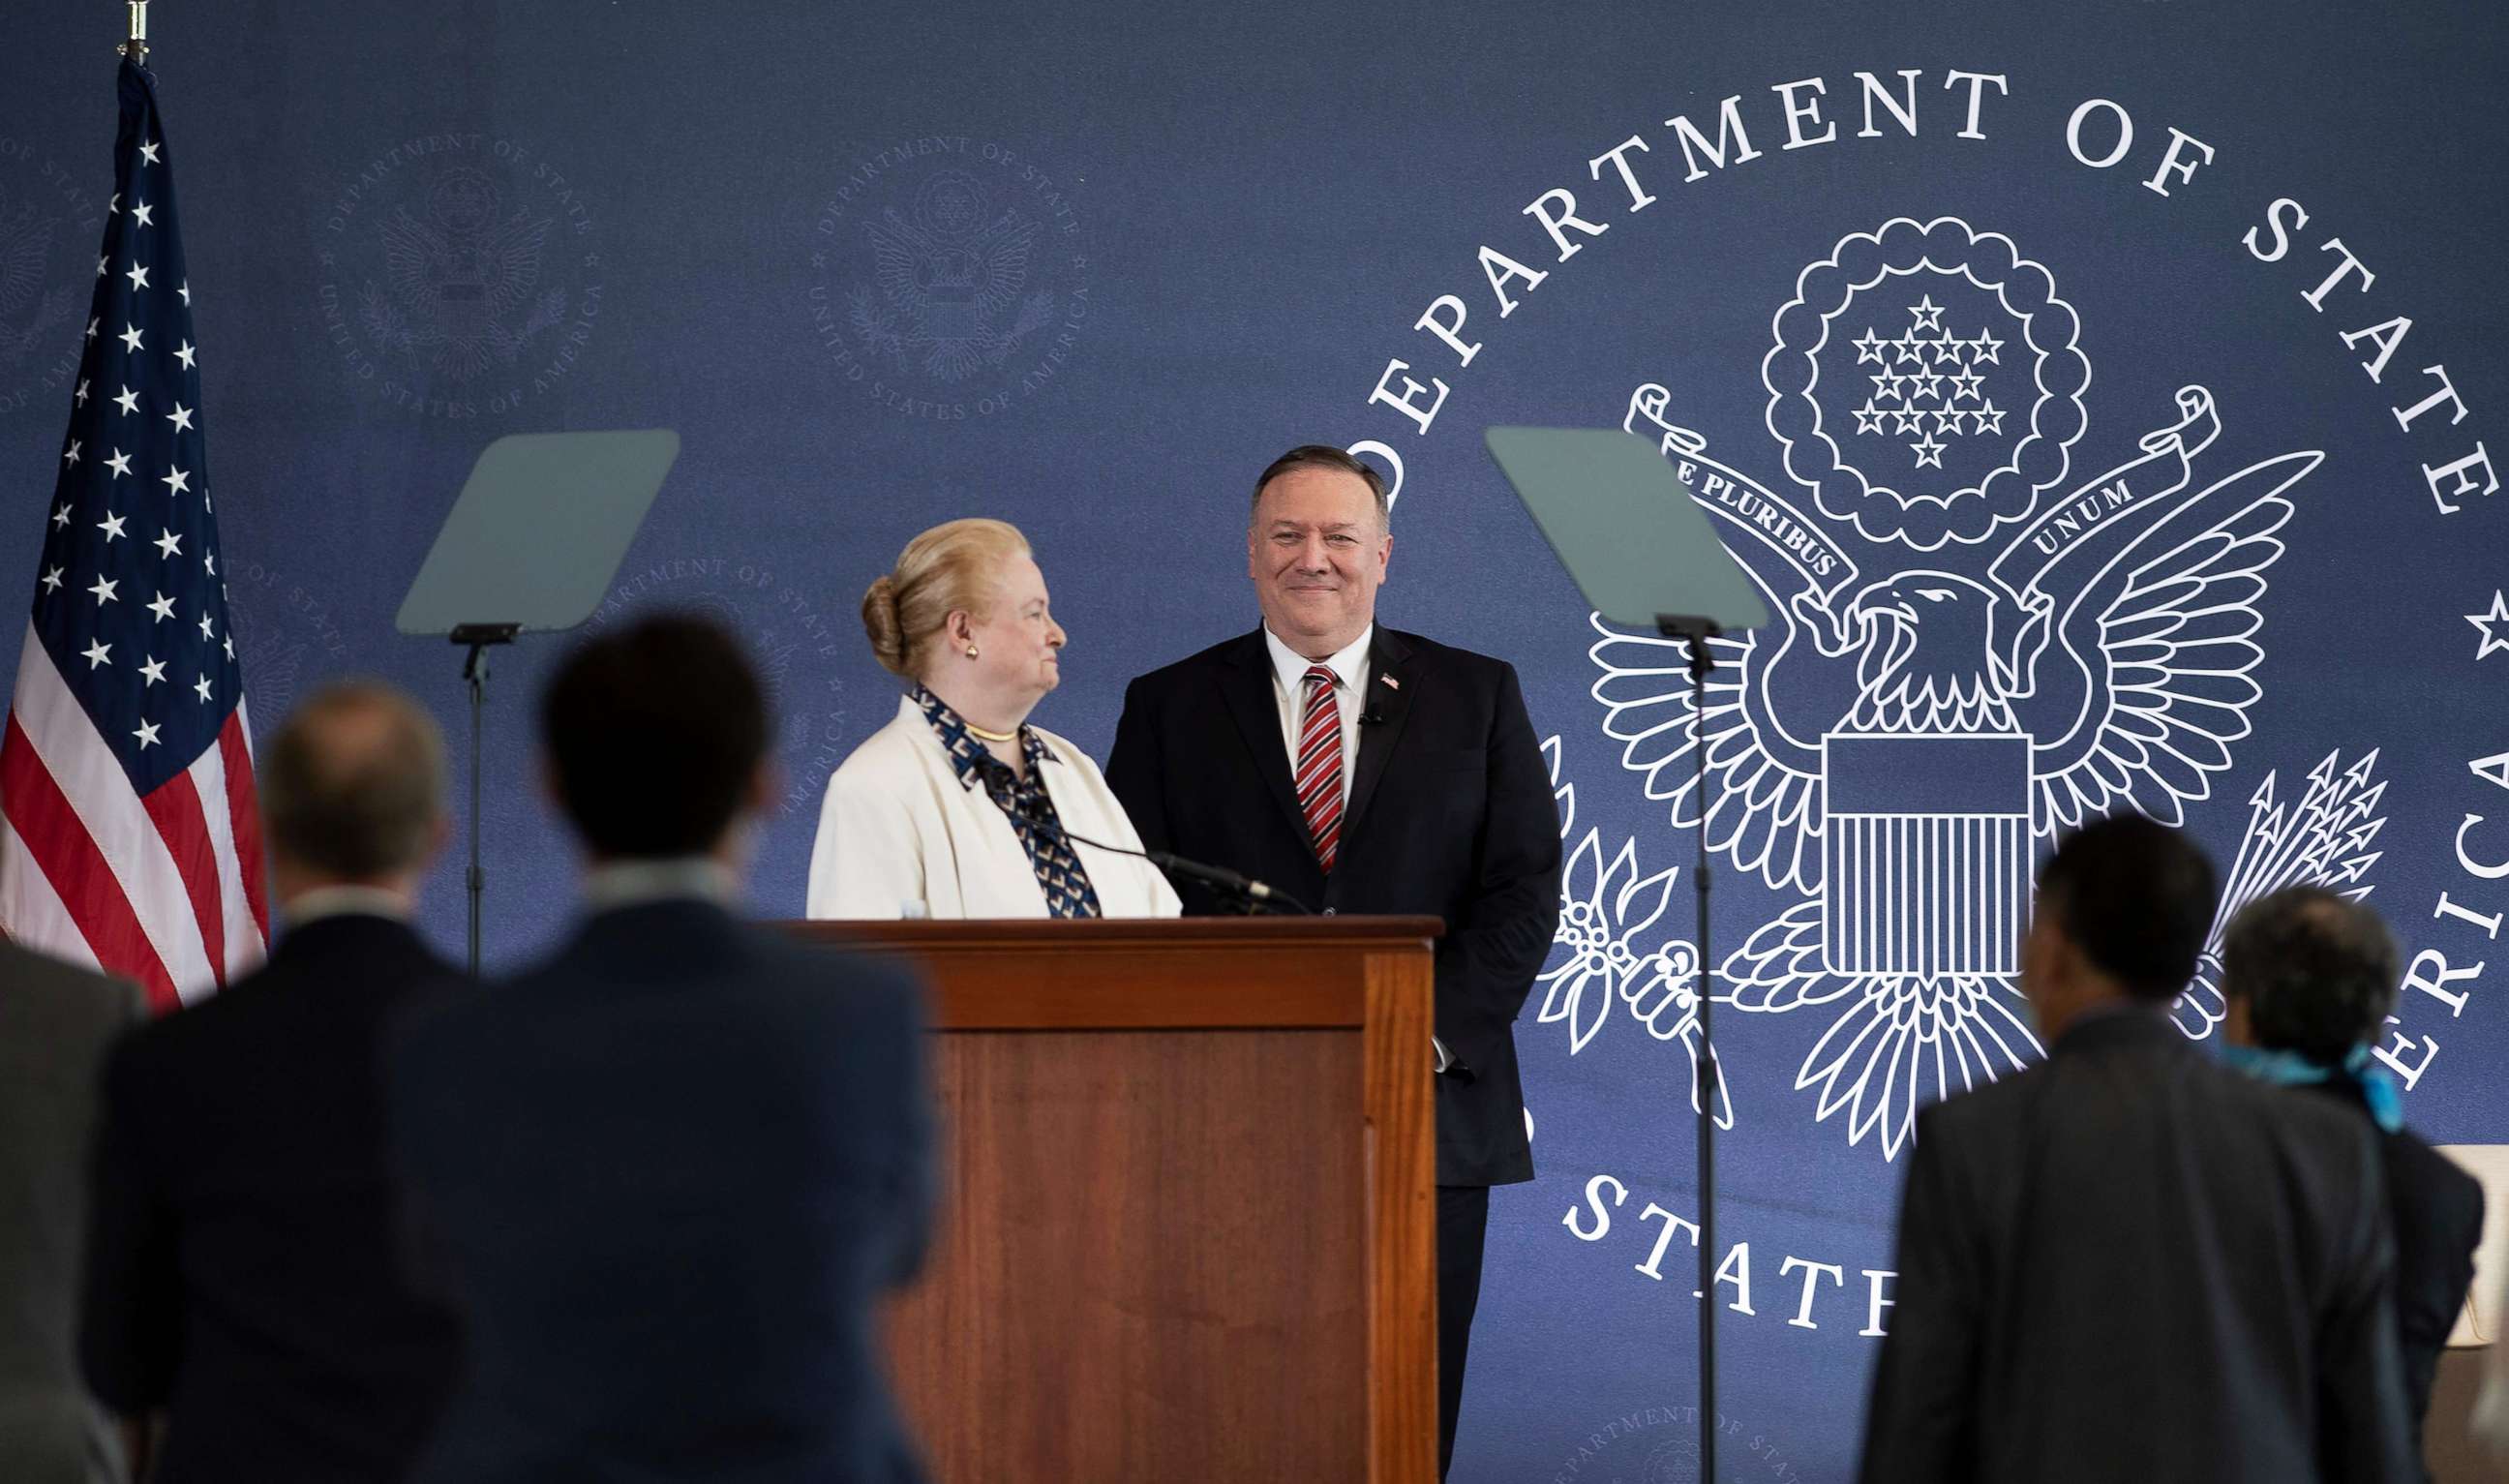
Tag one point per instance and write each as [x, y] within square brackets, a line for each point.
[1025, 801]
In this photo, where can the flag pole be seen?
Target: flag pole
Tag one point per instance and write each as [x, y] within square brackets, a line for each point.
[136, 45]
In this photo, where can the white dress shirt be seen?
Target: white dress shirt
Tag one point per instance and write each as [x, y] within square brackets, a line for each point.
[900, 836]
[1350, 693]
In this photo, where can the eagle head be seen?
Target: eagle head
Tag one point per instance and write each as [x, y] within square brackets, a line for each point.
[1930, 660]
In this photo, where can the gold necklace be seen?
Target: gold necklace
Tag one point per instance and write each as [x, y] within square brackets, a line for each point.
[990, 736]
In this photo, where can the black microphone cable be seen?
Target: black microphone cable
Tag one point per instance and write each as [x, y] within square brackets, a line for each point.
[1268, 898]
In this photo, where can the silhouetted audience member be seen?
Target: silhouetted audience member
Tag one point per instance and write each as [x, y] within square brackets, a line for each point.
[671, 1169]
[2131, 1262]
[2309, 978]
[56, 1023]
[243, 1273]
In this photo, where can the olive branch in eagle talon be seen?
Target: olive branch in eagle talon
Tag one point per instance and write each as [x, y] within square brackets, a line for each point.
[1606, 952]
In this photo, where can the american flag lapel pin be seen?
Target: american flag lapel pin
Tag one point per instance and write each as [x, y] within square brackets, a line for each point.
[1391, 684]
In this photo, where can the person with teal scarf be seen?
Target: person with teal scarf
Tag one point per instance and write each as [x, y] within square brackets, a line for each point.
[2309, 976]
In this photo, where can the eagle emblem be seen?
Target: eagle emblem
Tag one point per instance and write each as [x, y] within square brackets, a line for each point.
[950, 278]
[1896, 745]
[459, 274]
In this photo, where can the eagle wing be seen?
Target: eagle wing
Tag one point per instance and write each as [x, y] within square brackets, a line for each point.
[413, 252]
[1003, 249]
[897, 247]
[516, 251]
[1767, 817]
[2147, 683]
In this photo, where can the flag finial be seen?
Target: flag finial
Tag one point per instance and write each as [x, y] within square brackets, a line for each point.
[136, 46]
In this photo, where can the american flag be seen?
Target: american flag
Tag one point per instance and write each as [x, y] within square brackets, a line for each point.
[129, 835]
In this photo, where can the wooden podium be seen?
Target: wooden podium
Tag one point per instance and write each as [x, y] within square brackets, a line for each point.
[1187, 1224]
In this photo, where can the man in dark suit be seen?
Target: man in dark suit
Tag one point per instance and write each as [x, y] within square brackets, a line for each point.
[2307, 977]
[669, 1171]
[2130, 1262]
[1238, 756]
[242, 1271]
[56, 1023]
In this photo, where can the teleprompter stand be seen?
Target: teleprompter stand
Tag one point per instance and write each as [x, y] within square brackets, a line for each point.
[532, 544]
[1644, 555]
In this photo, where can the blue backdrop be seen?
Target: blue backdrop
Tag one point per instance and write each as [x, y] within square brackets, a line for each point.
[1088, 266]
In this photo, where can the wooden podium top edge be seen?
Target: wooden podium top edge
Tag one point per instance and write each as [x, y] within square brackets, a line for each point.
[1147, 974]
[1121, 933]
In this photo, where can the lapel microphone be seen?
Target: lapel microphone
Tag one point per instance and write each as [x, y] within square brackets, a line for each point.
[1255, 893]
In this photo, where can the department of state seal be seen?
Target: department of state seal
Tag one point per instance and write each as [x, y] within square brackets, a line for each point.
[950, 278]
[463, 275]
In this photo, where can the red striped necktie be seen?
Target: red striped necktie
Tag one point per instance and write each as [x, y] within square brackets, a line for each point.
[1319, 765]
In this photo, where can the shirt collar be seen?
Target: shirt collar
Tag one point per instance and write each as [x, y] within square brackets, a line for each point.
[1349, 665]
[633, 883]
[967, 752]
[344, 902]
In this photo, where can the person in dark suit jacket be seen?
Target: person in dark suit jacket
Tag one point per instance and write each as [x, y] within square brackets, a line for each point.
[1362, 770]
[2307, 979]
[2130, 1262]
[669, 1170]
[243, 1272]
[56, 1024]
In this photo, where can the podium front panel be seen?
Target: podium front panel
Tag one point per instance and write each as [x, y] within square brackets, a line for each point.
[1187, 1224]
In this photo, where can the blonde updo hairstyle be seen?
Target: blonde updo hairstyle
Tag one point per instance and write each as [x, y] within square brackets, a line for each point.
[955, 564]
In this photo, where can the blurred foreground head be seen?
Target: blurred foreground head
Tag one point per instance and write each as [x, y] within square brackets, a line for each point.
[2123, 908]
[655, 739]
[352, 789]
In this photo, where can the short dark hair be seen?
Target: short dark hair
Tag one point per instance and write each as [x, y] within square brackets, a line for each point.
[353, 782]
[2136, 897]
[1323, 456]
[654, 733]
[2317, 970]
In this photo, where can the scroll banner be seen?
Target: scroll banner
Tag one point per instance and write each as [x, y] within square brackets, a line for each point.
[2077, 529]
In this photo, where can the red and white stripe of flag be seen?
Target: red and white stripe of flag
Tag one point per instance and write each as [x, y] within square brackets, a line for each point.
[165, 889]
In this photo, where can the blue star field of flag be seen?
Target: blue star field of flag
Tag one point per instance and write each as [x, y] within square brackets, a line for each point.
[129, 602]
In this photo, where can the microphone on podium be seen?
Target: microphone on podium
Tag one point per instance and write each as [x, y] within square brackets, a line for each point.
[1256, 894]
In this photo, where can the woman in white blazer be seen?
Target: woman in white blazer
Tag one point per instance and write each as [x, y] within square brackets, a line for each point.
[958, 807]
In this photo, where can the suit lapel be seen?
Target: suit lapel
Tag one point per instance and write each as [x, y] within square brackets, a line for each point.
[1246, 682]
[1388, 698]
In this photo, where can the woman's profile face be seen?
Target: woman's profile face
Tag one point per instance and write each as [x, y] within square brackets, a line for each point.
[1017, 640]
